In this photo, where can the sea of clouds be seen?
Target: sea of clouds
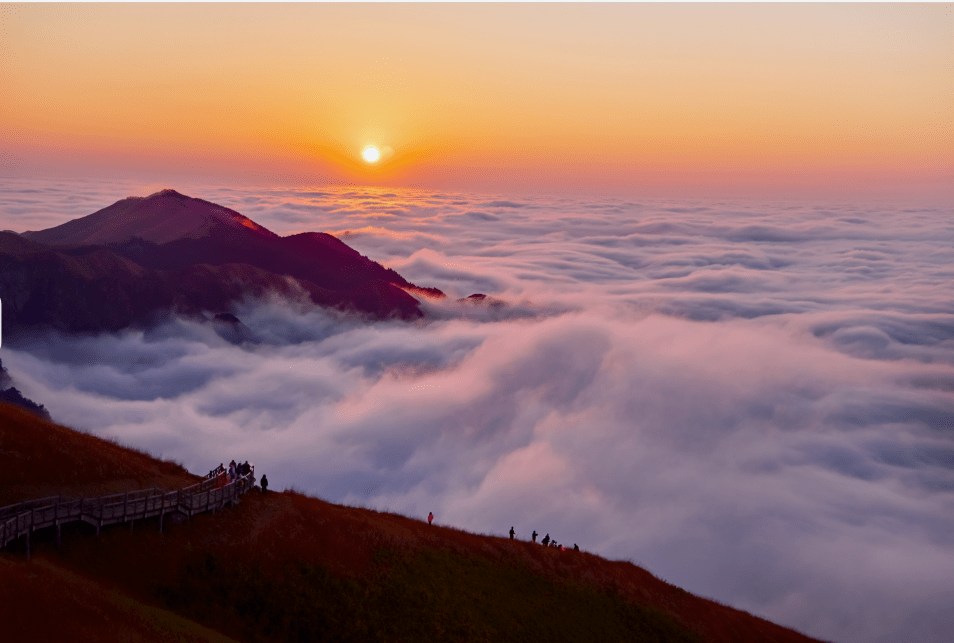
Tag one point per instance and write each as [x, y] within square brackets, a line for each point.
[754, 401]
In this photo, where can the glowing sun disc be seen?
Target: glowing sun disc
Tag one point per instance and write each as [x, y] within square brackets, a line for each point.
[371, 154]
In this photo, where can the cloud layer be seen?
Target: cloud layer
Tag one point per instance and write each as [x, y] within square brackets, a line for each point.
[753, 401]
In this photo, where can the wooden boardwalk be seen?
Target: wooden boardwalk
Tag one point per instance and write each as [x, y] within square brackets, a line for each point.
[213, 493]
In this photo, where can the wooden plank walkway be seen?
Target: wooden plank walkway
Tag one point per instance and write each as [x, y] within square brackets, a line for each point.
[212, 494]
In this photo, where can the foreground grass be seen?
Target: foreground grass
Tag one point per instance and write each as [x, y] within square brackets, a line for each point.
[431, 595]
[41, 601]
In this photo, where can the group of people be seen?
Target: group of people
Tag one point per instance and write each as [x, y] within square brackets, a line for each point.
[547, 541]
[237, 471]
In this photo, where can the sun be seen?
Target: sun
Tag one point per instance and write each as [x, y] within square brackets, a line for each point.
[371, 154]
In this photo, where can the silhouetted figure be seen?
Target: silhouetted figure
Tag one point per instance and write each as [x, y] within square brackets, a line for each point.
[546, 540]
[430, 517]
[534, 536]
[511, 532]
[576, 547]
[264, 484]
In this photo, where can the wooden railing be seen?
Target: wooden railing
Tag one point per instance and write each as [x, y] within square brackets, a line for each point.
[213, 493]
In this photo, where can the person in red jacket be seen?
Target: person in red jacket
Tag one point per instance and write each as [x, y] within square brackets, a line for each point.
[430, 518]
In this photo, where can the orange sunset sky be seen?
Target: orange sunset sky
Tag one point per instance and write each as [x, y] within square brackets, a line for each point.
[669, 99]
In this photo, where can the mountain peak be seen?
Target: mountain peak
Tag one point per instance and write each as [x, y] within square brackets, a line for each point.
[168, 192]
[161, 217]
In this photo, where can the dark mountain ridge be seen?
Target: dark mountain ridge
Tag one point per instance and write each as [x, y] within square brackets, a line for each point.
[145, 257]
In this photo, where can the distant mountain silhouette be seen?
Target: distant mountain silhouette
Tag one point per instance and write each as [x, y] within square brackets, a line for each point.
[145, 257]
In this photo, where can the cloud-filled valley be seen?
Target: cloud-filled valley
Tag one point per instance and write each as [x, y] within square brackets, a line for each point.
[754, 401]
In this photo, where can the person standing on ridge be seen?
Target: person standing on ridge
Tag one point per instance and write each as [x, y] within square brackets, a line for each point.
[430, 517]
[511, 532]
[534, 536]
[264, 484]
[546, 540]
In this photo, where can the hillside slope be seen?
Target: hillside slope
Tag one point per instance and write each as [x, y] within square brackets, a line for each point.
[287, 567]
[43, 601]
[39, 459]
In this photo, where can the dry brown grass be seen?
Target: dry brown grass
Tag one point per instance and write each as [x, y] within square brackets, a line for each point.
[42, 601]
[39, 459]
[279, 533]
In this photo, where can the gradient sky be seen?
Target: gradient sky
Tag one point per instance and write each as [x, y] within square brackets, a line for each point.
[681, 99]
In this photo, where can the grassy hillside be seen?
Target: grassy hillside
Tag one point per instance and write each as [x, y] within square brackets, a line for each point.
[39, 458]
[40, 600]
[287, 567]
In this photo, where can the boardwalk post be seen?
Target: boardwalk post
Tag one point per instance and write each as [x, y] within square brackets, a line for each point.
[56, 521]
[30, 530]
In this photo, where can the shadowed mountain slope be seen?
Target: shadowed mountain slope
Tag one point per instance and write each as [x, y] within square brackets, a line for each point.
[168, 253]
[94, 289]
[286, 567]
